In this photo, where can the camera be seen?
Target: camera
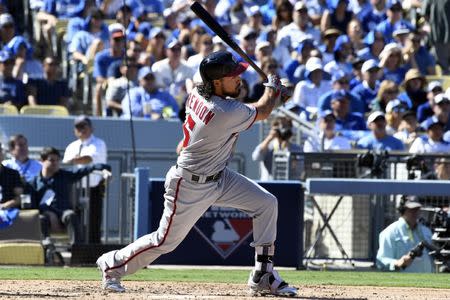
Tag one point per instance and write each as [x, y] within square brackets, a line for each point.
[285, 133]
[417, 250]
[415, 163]
[376, 161]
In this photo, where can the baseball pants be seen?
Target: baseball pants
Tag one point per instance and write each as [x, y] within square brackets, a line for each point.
[185, 202]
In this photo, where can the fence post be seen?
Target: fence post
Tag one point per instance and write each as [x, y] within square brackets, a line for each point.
[141, 203]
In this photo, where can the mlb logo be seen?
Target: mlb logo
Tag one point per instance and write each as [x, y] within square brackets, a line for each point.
[225, 229]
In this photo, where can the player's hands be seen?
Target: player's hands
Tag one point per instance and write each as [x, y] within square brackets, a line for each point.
[286, 94]
[273, 82]
[403, 262]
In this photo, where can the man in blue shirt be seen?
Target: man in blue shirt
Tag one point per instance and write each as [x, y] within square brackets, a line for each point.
[11, 89]
[147, 100]
[378, 139]
[398, 239]
[394, 14]
[345, 120]
[368, 89]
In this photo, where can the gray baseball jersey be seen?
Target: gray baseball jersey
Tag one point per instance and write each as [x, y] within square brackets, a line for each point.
[199, 180]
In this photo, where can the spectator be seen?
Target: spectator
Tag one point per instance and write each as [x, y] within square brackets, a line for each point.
[415, 93]
[375, 43]
[49, 90]
[329, 37]
[378, 139]
[292, 34]
[394, 15]
[278, 139]
[437, 12]
[25, 65]
[11, 186]
[51, 192]
[117, 88]
[18, 147]
[7, 29]
[269, 66]
[367, 90]
[254, 19]
[355, 33]
[441, 111]
[433, 142]
[340, 81]
[441, 171]
[104, 59]
[109, 7]
[147, 100]
[337, 16]
[391, 62]
[345, 119]
[398, 239]
[394, 112]
[408, 129]
[328, 139]
[89, 149]
[205, 48]
[172, 72]
[388, 91]
[418, 56]
[11, 89]
[308, 91]
[425, 110]
[283, 14]
[279, 52]
[192, 47]
[400, 35]
[371, 18]
[247, 40]
[357, 78]
[303, 53]
[343, 54]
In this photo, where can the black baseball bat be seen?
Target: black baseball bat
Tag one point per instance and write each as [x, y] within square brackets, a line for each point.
[203, 15]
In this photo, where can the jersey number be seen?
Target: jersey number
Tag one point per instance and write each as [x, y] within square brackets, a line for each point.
[188, 127]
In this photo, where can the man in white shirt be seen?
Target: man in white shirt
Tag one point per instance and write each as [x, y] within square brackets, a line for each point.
[433, 142]
[328, 140]
[89, 149]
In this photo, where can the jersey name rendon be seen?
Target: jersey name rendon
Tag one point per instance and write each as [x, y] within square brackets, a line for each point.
[199, 108]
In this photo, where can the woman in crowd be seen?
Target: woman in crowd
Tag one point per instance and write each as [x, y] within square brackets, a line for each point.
[388, 91]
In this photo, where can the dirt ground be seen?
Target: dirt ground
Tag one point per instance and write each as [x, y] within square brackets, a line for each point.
[14, 289]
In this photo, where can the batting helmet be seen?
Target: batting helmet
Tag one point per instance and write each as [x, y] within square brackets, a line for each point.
[220, 64]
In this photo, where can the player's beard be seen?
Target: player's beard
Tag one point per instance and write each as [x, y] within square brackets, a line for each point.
[234, 94]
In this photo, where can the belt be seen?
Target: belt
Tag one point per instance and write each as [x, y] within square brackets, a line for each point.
[199, 178]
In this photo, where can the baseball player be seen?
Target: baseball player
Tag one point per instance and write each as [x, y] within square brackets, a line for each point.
[201, 178]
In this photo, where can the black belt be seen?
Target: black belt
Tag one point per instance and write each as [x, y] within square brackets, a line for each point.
[196, 178]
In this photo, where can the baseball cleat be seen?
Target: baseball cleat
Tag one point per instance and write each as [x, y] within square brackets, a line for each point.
[278, 286]
[109, 283]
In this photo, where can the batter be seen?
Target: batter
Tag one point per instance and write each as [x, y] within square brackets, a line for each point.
[201, 178]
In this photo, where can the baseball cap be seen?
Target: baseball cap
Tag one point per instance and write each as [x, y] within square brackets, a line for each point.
[172, 43]
[331, 32]
[116, 30]
[220, 64]
[300, 5]
[327, 113]
[340, 41]
[441, 98]
[412, 202]
[430, 122]
[253, 11]
[369, 65]
[261, 45]
[401, 27]
[374, 116]
[395, 105]
[306, 40]
[313, 63]
[155, 31]
[338, 75]
[389, 49]
[434, 84]
[409, 113]
[5, 55]
[413, 74]
[82, 120]
[144, 71]
[247, 33]
[393, 3]
[6, 19]
[339, 95]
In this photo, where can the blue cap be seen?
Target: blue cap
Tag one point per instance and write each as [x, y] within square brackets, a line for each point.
[306, 41]
[5, 55]
[369, 39]
[428, 123]
[155, 31]
[172, 43]
[145, 28]
[144, 71]
[391, 3]
[334, 3]
[338, 75]
[401, 27]
[339, 95]
[340, 41]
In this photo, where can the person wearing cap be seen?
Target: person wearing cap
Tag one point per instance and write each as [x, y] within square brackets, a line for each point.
[375, 43]
[337, 16]
[173, 72]
[327, 140]
[278, 139]
[201, 178]
[394, 115]
[437, 14]
[425, 110]
[441, 111]
[147, 100]
[392, 64]
[329, 37]
[308, 91]
[408, 129]
[50, 90]
[88, 149]
[345, 119]
[7, 28]
[104, 59]
[205, 48]
[156, 45]
[398, 239]
[357, 78]
[417, 55]
[11, 89]
[415, 92]
[117, 88]
[254, 19]
[367, 90]
[303, 53]
[343, 54]
[433, 141]
[26, 66]
[371, 18]
[11, 184]
[279, 52]
[378, 139]
[394, 15]
[341, 81]
[292, 34]
[400, 34]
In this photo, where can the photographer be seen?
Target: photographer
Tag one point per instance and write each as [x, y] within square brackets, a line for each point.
[277, 140]
[399, 248]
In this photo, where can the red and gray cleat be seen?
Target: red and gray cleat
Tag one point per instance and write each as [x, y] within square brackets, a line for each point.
[109, 283]
[278, 286]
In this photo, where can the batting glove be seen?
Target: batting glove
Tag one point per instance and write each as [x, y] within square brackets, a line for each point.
[286, 94]
[273, 82]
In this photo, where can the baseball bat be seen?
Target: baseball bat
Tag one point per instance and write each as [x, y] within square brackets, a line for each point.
[203, 15]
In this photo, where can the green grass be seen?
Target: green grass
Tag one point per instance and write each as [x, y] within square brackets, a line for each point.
[236, 276]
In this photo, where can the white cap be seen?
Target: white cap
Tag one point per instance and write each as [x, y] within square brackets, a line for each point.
[373, 116]
[313, 63]
[247, 31]
[114, 27]
[434, 84]
[441, 98]
[393, 104]
[388, 49]
[261, 45]
[369, 64]
[300, 5]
